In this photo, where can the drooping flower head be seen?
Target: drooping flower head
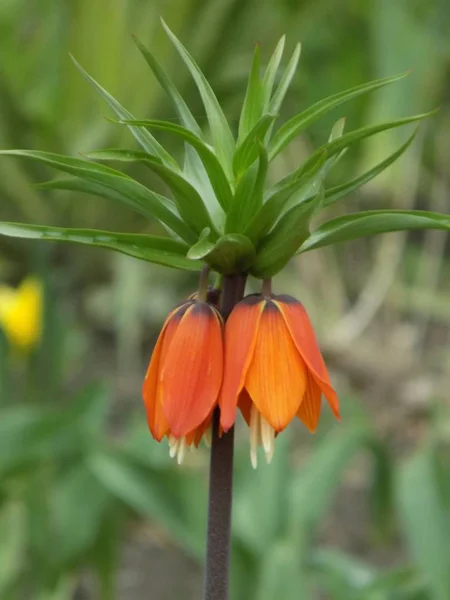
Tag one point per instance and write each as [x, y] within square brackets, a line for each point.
[273, 369]
[183, 380]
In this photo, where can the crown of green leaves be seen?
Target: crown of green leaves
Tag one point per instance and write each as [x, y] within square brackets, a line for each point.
[222, 211]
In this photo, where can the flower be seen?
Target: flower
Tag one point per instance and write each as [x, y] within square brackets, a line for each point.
[21, 313]
[273, 369]
[183, 380]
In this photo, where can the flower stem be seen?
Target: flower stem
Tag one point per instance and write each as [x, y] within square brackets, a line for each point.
[221, 479]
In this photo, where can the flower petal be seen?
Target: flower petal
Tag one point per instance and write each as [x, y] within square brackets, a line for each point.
[191, 373]
[240, 338]
[245, 404]
[302, 333]
[151, 390]
[276, 378]
[311, 405]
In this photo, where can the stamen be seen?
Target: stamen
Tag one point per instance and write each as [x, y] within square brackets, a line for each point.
[268, 439]
[255, 435]
[181, 452]
[173, 446]
[207, 436]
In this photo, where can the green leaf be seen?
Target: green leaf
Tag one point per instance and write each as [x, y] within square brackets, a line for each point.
[247, 152]
[271, 73]
[189, 202]
[159, 250]
[223, 138]
[285, 238]
[252, 106]
[203, 247]
[248, 197]
[336, 145]
[373, 222]
[425, 521]
[12, 544]
[285, 81]
[275, 203]
[333, 194]
[212, 166]
[281, 576]
[166, 83]
[289, 130]
[144, 138]
[232, 253]
[115, 185]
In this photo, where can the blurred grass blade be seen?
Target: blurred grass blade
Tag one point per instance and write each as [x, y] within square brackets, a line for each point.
[281, 575]
[159, 250]
[189, 202]
[212, 166]
[271, 73]
[426, 527]
[144, 138]
[169, 87]
[333, 194]
[300, 122]
[373, 222]
[123, 188]
[252, 107]
[285, 82]
[248, 151]
[223, 138]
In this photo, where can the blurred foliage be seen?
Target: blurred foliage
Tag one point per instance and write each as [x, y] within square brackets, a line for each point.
[77, 472]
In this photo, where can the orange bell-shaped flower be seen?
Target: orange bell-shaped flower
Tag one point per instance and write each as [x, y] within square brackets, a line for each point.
[273, 369]
[183, 380]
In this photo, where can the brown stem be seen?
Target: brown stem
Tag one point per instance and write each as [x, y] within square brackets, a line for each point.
[221, 479]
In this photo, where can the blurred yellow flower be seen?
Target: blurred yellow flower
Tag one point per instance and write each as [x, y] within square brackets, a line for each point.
[21, 313]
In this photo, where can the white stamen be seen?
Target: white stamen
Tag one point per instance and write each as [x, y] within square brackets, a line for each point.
[173, 446]
[181, 452]
[268, 439]
[255, 435]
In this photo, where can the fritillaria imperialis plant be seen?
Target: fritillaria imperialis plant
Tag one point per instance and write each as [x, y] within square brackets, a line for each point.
[218, 350]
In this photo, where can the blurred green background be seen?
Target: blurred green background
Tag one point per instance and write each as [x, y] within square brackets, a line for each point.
[90, 506]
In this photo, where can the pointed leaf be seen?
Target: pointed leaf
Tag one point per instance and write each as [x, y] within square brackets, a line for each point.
[252, 106]
[274, 206]
[112, 184]
[300, 122]
[189, 203]
[144, 138]
[335, 146]
[271, 73]
[373, 222]
[185, 115]
[223, 138]
[248, 151]
[284, 240]
[285, 81]
[203, 247]
[212, 166]
[159, 250]
[333, 194]
[248, 197]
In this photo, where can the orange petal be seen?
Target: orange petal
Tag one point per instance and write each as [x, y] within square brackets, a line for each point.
[302, 332]
[151, 391]
[245, 405]
[240, 338]
[191, 373]
[277, 376]
[311, 405]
